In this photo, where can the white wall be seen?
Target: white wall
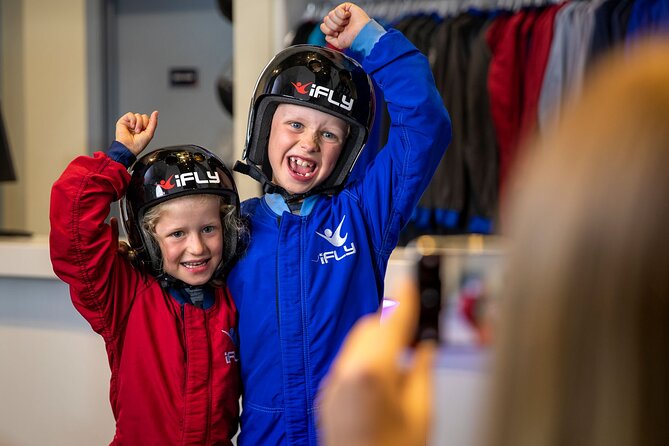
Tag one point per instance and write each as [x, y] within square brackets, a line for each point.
[44, 100]
[153, 36]
[53, 96]
[54, 379]
[258, 34]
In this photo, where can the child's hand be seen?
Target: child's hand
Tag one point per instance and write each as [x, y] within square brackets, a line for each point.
[343, 24]
[135, 130]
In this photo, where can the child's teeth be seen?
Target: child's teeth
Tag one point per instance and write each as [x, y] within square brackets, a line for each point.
[301, 163]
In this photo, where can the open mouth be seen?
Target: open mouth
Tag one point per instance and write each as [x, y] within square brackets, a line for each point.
[301, 167]
[195, 265]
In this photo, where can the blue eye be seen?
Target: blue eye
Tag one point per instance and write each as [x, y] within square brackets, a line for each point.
[177, 234]
[208, 229]
[295, 125]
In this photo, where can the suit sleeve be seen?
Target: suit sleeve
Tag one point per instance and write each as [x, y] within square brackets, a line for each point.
[82, 247]
[419, 133]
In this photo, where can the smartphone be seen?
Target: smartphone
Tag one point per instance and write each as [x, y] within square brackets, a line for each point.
[458, 278]
[428, 270]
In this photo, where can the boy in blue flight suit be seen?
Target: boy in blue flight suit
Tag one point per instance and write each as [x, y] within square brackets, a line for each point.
[319, 247]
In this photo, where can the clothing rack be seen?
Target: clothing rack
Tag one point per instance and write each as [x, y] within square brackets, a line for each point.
[503, 68]
[390, 10]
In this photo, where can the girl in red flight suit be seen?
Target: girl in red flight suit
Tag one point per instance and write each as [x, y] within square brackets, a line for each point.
[163, 309]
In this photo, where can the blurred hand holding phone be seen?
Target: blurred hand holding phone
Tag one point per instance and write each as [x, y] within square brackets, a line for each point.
[458, 278]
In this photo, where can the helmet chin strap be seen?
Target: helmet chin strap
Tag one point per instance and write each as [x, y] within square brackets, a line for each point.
[254, 172]
[270, 188]
[167, 281]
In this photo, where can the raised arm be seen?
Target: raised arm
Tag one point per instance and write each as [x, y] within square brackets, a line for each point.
[343, 24]
[135, 130]
[83, 247]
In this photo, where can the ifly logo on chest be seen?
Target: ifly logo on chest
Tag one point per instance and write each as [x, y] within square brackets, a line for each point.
[338, 241]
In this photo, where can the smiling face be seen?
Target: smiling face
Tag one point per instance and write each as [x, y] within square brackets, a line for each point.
[190, 235]
[304, 146]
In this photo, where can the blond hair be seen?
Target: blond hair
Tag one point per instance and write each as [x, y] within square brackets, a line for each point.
[234, 228]
[582, 354]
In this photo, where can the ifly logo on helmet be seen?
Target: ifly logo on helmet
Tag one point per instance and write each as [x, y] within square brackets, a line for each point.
[316, 91]
[181, 180]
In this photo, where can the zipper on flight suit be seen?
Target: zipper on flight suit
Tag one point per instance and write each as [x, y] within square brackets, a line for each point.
[276, 280]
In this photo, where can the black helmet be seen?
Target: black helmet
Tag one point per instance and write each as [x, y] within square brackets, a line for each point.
[169, 173]
[316, 77]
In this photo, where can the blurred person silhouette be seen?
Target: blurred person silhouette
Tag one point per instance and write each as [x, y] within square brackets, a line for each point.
[581, 338]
